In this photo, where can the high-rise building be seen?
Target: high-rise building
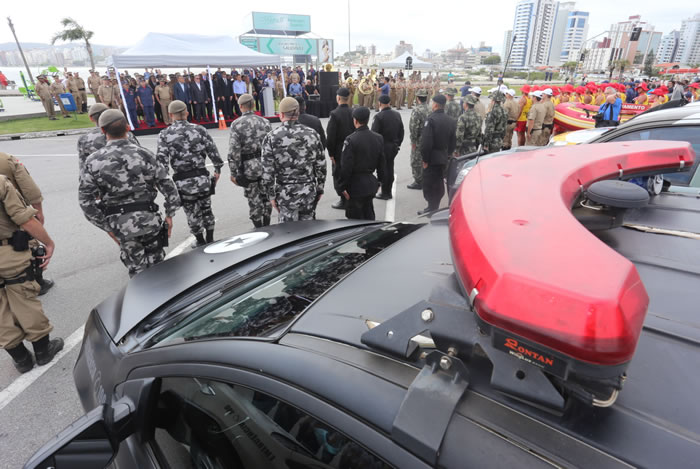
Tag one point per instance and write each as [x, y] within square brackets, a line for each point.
[570, 31]
[372, 50]
[533, 27]
[689, 41]
[668, 48]
[602, 55]
[507, 39]
[402, 47]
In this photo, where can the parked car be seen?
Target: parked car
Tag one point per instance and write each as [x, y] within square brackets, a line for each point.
[549, 319]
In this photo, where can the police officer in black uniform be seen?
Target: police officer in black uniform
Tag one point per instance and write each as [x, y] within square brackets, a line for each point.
[389, 125]
[340, 125]
[439, 141]
[363, 154]
[310, 121]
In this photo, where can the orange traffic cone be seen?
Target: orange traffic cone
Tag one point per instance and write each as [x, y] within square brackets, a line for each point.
[222, 121]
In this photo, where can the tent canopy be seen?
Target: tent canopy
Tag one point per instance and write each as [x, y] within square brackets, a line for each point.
[400, 62]
[190, 50]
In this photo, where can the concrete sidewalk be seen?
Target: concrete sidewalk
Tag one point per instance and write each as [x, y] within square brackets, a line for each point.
[19, 107]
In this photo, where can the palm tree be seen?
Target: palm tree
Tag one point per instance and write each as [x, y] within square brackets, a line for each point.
[72, 31]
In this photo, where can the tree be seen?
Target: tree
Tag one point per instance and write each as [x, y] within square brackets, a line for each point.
[649, 64]
[491, 60]
[570, 66]
[621, 65]
[72, 31]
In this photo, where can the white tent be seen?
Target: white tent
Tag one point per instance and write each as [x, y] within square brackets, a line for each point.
[190, 50]
[400, 62]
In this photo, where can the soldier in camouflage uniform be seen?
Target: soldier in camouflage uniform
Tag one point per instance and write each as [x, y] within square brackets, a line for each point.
[452, 107]
[126, 179]
[94, 140]
[415, 129]
[185, 147]
[496, 122]
[244, 159]
[294, 167]
[468, 128]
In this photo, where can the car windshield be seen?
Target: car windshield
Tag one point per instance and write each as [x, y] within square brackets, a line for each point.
[263, 307]
[690, 134]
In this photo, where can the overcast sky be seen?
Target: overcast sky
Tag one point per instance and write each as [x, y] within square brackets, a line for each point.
[434, 25]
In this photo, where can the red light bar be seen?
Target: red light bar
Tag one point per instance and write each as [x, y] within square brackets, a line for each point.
[539, 273]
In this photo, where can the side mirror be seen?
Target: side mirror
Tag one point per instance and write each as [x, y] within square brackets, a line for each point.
[86, 444]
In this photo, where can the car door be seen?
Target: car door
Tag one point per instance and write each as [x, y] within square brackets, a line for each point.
[216, 417]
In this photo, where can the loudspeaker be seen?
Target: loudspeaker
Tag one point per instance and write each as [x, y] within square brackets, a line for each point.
[328, 85]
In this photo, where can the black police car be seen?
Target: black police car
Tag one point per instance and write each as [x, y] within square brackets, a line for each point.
[500, 334]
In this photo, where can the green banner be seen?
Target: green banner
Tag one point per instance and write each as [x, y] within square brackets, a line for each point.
[282, 22]
[250, 42]
[288, 46]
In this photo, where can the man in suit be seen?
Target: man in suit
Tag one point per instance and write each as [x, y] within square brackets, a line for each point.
[181, 91]
[389, 125]
[363, 154]
[226, 95]
[340, 125]
[198, 93]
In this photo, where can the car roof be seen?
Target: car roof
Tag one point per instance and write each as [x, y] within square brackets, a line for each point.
[658, 400]
[687, 113]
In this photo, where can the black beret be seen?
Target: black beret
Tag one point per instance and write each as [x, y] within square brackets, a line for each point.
[440, 99]
[361, 114]
[384, 99]
[343, 92]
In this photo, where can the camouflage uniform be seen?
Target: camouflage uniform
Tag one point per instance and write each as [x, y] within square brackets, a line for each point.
[294, 170]
[247, 134]
[496, 122]
[92, 141]
[468, 130]
[452, 107]
[418, 116]
[123, 173]
[185, 147]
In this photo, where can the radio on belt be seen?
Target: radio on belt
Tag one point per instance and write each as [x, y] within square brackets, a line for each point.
[556, 311]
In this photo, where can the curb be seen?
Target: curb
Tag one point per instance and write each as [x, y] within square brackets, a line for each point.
[53, 133]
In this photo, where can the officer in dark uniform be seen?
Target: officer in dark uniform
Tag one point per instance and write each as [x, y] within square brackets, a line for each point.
[363, 154]
[340, 125]
[389, 125]
[310, 121]
[438, 142]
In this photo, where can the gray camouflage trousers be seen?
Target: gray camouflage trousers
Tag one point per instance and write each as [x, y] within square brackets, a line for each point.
[199, 214]
[296, 202]
[259, 205]
[138, 256]
[417, 165]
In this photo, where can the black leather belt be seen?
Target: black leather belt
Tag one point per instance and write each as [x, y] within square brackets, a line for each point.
[548, 126]
[133, 207]
[535, 130]
[511, 122]
[81, 89]
[190, 174]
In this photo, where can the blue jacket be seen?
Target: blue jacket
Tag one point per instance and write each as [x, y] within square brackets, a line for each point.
[611, 112]
[181, 95]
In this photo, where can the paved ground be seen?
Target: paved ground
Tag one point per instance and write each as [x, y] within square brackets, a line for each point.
[19, 106]
[87, 270]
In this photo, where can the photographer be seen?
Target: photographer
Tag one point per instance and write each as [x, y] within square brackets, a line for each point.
[609, 112]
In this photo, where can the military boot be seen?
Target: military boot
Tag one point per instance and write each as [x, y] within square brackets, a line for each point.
[210, 236]
[45, 349]
[198, 241]
[21, 357]
[266, 220]
[258, 223]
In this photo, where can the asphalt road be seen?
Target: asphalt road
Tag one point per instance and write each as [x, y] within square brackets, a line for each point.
[87, 270]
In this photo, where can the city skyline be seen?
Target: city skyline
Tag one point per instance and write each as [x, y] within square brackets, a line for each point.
[406, 23]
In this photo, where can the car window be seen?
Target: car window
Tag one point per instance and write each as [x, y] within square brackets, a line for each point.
[690, 134]
[201, 423]
[262, 308]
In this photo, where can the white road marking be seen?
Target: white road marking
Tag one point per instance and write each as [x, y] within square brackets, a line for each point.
[177, 250]
[45, 154]
[27, 379]
[390, 213]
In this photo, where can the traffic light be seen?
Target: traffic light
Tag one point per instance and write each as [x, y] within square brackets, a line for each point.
[582, 57]
[636, 32]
